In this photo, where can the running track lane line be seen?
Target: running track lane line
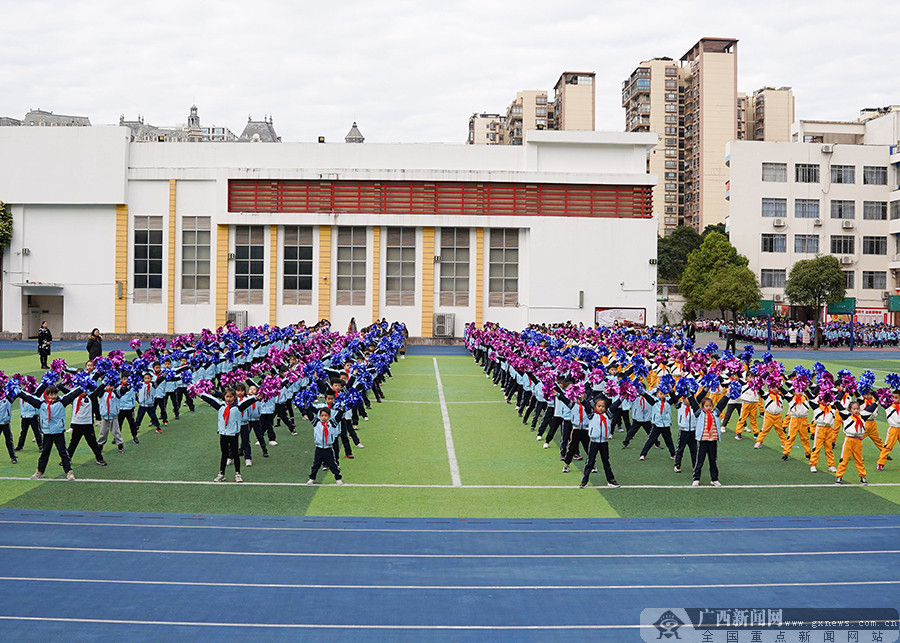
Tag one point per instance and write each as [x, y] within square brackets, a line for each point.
[116, 581]
[289, 554]
[444, 531]
[459, 485]
[448, 434]
[319, 626]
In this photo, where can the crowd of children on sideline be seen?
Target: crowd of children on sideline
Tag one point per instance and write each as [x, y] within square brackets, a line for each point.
[589, 383]
[787, 333]
[250, 377]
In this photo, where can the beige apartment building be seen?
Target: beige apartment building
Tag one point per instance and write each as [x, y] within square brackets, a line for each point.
[486, 129]
[572, 108]
[695, 108]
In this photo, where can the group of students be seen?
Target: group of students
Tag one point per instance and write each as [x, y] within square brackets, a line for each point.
[249, 377]
[793, 334]
[589, 383]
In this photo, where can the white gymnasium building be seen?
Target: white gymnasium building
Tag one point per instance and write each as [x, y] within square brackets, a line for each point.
[137, 237]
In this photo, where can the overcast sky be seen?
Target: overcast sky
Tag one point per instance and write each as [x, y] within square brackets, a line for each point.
[413, 71]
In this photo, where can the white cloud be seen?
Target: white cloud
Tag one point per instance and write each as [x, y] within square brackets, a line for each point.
[415, 71]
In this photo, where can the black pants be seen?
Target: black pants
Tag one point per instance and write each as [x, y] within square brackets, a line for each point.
[655, 432]
[593, 449]
[267, 421]
[548, 419]
[34, 423]
[326, 457]
[7, 437]
[44, 354]
[59, 440]
[245, 442]
[160, 405]
[181, 394]
[707, 448]
[729, 410]
[228, 444]
[564, 438]
[127, 415]
[621, 417]
[554, 423]
[281, 411]
[176, 403]
[635, 427]
[537, 408]
[686, 439]
[85, 431]
[578, 436]
[257, 428]
[146, 410]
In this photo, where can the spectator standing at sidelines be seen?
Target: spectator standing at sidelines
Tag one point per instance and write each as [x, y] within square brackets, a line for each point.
[44, 341]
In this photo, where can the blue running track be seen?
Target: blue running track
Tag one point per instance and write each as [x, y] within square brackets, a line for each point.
[146, 577]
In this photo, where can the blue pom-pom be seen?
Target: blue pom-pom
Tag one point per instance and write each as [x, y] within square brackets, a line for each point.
[767, 357]
[187, 378]
[710, 381]
[84, 382]
[306, 397]
[686, 387]
[711, 348]
[12, 388]
[734, 390]
[666, 384]
[893, 380]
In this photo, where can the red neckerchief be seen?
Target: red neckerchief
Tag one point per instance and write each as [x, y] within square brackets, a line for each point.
[78, 405]
[108, 396]
[858, 421]
[709, 422]
[325, 431]
[227, 414]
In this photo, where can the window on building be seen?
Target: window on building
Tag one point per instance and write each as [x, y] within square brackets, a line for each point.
[874, 245]
[671, 165]
[503, 268]
[842, 244]
[671, 131]
[643, 83]
[806, 208]
[671, 119]
[774, 242]
[874, 175]
[351, 266]
[771, 278]
[843, 174]
[297, 282]
[806, 243]
[806, 172]
[774, 172]
[671, 187]
[670, 107]
[671, 96]
[671, 83]
[454, 278]
[249, 264]
[895, 210]
[540, 111]
[874, 280]
[148, 259]
[774, 207]
[843, 210]
[400, 267]
[540, 100]
[195, 260]
[849, 279]
[875, 210]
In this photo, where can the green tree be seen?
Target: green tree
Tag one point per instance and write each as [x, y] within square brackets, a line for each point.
[735, 288]
[816, 283]
[717, 227]
[707, 265]
[672, 253]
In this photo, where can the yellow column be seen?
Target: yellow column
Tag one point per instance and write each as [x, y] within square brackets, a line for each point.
[221, 273]
[376, 273]
[170, 301]
[324, 272]
[121, 306]
[479, 277]
[427, 282]
[273, 275]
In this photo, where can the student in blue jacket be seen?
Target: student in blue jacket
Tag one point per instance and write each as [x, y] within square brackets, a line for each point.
[52, 413]
[708, 432]
[82, 424]
[29, 420]
[325, 430]
[599, 430]
[661, 419]
[5, 416]
[127, 397]
[228, 426]
[146, 399]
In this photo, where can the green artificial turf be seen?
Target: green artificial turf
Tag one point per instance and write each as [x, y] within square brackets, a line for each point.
[405, 444]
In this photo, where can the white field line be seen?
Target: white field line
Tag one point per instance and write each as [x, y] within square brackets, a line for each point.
[448, 434]
[462, 486]
[576, 556]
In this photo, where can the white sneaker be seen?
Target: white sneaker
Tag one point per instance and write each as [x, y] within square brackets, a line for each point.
[219, 478]
[248, 462]
[716, 483]
[338, 482]
[540, 437]
[366, 419]
[69, 476]
[361, 445]
[229, 462]
[812, 469]
[273, 443]
[832, 469]
[546, 445]
[758, 445]
[257, 443]
[695, 483]
[238, 478]
[310, 481]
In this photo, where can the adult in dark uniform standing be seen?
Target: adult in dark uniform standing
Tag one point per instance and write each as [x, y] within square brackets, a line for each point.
[44, 341]
[94, 345]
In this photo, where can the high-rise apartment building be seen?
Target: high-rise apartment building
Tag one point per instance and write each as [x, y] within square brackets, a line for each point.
[695, 108]
[527, 112]
[574, 101]
[486, 129]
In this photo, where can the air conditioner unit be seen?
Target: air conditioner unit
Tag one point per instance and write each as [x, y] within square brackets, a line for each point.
[443, 324]
[848, 225]
[778, 223]
[778, 297]
[237, 317]
[846, 261]
[828, 148]
[818, 223]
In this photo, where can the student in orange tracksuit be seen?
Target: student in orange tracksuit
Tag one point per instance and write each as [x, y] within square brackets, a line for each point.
[826, 435]
[854, 432]
[868, 409]
[773, 420]
[798, 411]
[749, 399]
[892, 414]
